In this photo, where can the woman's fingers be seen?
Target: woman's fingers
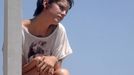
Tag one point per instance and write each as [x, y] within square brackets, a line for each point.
[51, 71]
[48, 70]
[40, 64]
[29, 66]
[44, 67]
[45, 70]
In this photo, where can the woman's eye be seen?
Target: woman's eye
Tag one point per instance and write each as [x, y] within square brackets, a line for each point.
[61, 7]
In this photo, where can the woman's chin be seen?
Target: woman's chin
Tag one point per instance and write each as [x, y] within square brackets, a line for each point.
[56, 21]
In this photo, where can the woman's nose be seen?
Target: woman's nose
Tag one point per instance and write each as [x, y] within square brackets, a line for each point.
[63, 13]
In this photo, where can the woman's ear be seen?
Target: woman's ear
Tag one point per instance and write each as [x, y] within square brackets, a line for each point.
[45, 2]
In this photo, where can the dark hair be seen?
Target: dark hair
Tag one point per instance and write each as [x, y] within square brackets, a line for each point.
[40, 6]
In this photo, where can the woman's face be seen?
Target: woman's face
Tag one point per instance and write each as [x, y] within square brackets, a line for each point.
[57, 11]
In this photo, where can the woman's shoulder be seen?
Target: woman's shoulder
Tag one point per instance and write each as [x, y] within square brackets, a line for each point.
[25, 23]
[62, 28]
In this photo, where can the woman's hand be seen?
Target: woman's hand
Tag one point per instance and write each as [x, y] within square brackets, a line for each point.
[30, 67]
[46, 65]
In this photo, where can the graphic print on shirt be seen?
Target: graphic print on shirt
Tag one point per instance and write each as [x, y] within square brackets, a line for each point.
[36, 48]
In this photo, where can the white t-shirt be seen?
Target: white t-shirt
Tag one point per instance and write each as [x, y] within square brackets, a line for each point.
[56, 44]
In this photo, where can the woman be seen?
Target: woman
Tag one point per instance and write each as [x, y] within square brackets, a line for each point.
[45, 42]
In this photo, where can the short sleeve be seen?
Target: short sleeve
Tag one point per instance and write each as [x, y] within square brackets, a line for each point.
[61, 47]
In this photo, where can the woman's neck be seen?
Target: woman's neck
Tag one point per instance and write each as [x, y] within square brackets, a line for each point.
[39, 26]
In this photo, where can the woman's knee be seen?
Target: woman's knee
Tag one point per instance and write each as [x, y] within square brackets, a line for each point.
[61, 72]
